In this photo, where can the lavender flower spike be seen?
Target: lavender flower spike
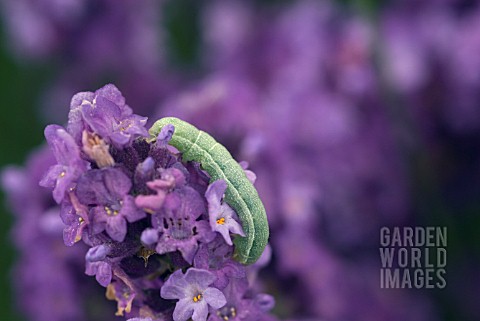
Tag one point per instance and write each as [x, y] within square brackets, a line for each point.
[221, 215]
[193, 293]
[107, 181]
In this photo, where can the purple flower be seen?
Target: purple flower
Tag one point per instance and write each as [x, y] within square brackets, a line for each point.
[178, 225]
[107, 189]
[194, 294]
[222, 217]
[62, 176]
[105, 114]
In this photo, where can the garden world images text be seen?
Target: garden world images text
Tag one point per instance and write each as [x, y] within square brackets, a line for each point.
[413, 257]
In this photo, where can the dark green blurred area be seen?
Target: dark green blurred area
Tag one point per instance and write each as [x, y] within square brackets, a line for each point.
[20, 131]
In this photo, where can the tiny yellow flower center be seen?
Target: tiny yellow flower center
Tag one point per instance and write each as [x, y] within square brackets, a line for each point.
[197, 298]
[221, 221]
[62, 174]
[110, 212]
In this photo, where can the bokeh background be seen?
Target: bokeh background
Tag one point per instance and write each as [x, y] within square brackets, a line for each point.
[353, 114]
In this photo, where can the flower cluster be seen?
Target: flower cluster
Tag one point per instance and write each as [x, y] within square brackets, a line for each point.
[157, 231]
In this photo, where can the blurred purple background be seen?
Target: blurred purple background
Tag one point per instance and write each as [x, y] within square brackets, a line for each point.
[353, 114]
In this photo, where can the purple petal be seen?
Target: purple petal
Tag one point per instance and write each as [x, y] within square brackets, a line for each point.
[183, 310]
[57, 179]
[205, 233]
[116, 228]
[68, 213]
[175, 287]
[111, 93]
[76, 124]
[119, 139]
[50, 178]
[201, 277]
[214, 297]
[223, 230]
[200, 311]
[133, 125]
[250, 175]
[78, 99]
[146, 167]
[193, 203]
[116, 182]
[215, 193]
[165, 135]
[166, 246]
[99, 219]
[72, 234]
[91, 190]
[235, 227]
[188, 248]
[130, 211]
[64, 148]
[173, 292]
[101, 116]
[144, 172]
[104, 274]
[174, 175]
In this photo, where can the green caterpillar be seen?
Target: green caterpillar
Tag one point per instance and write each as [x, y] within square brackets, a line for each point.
[196, 145]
